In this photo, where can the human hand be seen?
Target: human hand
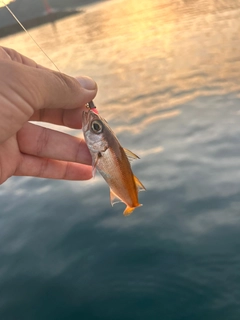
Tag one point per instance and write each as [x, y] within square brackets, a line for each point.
[29, 92]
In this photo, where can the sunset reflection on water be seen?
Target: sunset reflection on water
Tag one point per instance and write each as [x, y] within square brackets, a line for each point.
[168, 77]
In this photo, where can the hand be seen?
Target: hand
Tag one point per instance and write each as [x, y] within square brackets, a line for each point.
[31, 92]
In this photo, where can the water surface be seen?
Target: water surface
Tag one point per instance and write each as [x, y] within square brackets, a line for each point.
[169, 85]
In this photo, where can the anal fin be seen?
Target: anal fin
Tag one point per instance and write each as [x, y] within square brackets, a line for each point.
[114, 198]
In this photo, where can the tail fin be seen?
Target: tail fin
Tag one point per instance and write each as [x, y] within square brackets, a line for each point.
[129, 210]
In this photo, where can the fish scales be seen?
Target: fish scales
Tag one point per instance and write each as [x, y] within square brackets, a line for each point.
[111, 160]
[120, 180]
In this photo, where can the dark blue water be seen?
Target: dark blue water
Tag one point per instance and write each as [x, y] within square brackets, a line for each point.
[169, 85]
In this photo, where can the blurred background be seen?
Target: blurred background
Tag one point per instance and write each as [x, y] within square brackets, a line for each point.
[169, 85]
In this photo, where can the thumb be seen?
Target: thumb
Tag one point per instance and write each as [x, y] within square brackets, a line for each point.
[42, 88]
[61, 91]
[25, 89]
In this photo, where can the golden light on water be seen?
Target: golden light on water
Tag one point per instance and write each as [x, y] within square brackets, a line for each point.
[5, 2]
[145, 55]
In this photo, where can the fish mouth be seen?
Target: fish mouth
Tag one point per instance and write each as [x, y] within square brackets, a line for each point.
[85, 120]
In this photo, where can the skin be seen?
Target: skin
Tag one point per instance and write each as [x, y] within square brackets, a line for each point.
[30, 92]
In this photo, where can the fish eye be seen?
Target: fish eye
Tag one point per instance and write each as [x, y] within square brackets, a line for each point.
[97, 126]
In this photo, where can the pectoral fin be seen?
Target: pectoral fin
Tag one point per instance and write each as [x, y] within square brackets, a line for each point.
[131, 156]
[95, 162]
[94, 165]
[139, 184]
[113, 198]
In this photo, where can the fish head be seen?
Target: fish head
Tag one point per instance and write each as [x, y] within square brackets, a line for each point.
[95, 130]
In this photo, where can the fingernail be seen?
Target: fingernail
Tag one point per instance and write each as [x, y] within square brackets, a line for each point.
[87, 83]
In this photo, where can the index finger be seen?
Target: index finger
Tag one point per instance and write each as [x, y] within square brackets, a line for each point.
[69, 118]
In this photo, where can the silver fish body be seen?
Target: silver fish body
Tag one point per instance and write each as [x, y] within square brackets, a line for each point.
[112, 161]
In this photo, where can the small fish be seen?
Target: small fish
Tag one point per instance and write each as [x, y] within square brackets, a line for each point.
[111, 160]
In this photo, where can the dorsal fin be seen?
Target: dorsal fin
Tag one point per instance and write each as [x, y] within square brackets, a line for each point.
[131, 156]
[139, 184]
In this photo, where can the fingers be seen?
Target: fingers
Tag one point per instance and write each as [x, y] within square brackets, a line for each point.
[38, 88]
[46, 143]
[52, 169]
[26, 88]
[45, 87]
[68, 118]
[10, 54]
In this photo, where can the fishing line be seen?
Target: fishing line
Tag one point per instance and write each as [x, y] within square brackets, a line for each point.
[29, 34]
